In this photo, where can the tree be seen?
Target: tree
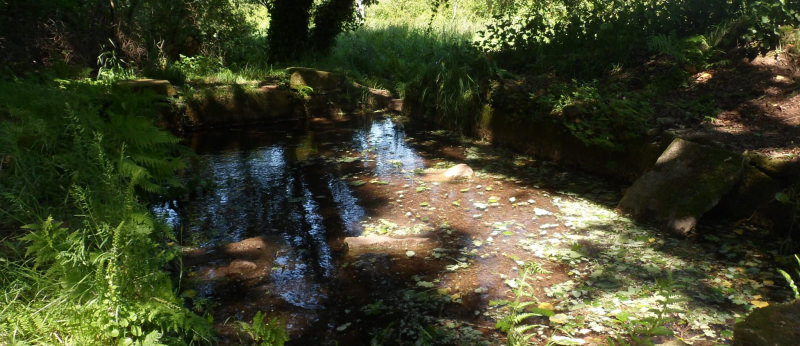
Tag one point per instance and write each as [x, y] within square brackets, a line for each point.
[288, 28]
[289, 33]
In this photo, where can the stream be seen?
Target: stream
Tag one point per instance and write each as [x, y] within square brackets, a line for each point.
[348, 231]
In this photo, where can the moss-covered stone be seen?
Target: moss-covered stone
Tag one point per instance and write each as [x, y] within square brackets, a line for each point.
[770, 326]
[687, 181]
[778, 167]
[157, 86]
[318, 81]
[238, 105]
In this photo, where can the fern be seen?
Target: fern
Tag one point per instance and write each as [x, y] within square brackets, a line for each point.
[523, 308]
[93, 269]
[789, 279]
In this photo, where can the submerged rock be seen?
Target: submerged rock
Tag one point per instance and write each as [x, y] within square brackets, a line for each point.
[772, 325]
[384, 242]
[459, 171]
[687, 181]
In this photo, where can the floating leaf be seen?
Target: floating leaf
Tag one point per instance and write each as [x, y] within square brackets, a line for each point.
[559, 318]
[425, 284]
[782, 197]
[546, 306]
[759, 303]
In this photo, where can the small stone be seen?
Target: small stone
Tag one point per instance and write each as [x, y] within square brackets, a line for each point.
[459, 171]
[410, 253]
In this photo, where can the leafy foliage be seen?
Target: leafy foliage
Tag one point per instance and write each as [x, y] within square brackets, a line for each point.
[588, 36]
[515, 324]
[642, 330]
[269, 333]
[94, 266]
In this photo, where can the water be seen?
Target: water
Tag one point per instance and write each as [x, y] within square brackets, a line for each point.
[345, 230]
[269, 207]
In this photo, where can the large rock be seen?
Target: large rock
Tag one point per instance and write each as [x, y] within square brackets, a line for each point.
[770, 326]
[778, 167]
[319, 81]
[754, 192]
[687, 180]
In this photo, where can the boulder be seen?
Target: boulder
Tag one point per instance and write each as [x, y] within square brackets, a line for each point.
[753, 193]
[778, 167]
[319, 81]
[770, 326]
[687, 181]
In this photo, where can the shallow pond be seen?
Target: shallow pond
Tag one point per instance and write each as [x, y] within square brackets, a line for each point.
[349, 231]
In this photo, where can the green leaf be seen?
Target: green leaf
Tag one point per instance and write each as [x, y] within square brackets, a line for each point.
[782, 197]
[542, 312]
[660, 330]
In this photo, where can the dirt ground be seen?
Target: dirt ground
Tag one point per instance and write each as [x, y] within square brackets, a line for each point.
[743, 105]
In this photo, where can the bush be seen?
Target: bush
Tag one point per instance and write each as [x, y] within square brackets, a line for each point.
[588, 36]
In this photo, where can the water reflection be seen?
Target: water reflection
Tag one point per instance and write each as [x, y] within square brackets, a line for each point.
[268, 184]
[388, 144]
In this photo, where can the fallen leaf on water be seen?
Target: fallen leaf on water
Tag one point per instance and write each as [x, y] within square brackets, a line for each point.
[559, 318]
[425, 284]
[565, 340]
[759, 303]
[546, 306]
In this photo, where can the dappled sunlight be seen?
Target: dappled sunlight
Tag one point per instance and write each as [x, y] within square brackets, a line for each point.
[361, 234]
[751, 105]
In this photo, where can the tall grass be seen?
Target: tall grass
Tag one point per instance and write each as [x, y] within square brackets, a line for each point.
[435, 68]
